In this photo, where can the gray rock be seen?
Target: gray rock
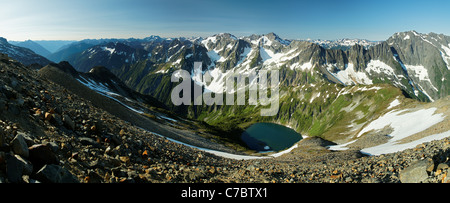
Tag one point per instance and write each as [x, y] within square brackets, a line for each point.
[55, 174]
[115, 139]
[88, 141]
[41, 154]
[14, 169]
[9, 92]
[2, 157]
[417, 172]
[27, 166]
[68, 122]
[2, 104]
[2, 136]
[16, 166]
[20, 146]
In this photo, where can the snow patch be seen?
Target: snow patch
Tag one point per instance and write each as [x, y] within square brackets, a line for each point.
[394, 103]
[212, 39]
[340, 146]
[393, 147]
[303, 67]
[416, 122]
[350, 76]
[247, 52]
[422, 73]
[214, 56]
[111, 50]
[378, 66]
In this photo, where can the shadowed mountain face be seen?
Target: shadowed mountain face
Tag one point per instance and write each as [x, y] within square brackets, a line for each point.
[37, 48]
[21, 54]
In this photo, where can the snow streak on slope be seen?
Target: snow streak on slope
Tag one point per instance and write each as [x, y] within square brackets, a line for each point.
[105, 91]
[226, 154]
[446, 55]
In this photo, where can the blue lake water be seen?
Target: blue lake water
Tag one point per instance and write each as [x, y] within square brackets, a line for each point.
[269, 137]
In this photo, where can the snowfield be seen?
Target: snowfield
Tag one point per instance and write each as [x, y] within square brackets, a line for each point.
[404, 124]
[392, 147]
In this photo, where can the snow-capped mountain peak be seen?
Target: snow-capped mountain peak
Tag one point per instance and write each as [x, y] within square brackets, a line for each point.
[343, 44]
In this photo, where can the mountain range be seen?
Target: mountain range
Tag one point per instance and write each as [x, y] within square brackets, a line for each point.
[21, 54]
[34, 46]
[416, 63]
[369, 98]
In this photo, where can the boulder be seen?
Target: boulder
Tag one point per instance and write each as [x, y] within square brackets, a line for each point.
[19, 145]
[42, 154]
[417, 172]
[55, 174]
[16, 166]
[68, 122]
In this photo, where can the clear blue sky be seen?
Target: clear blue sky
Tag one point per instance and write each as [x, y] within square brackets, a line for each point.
[315, 19]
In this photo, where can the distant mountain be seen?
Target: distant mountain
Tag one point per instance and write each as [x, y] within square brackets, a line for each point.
[60, 126]
[112, 55]
[53, 45]
[68, 50]
[343, 44]
[37, 48]
[416, 63]
[21, 54]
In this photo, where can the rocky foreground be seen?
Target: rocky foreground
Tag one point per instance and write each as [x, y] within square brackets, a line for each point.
[50, 135]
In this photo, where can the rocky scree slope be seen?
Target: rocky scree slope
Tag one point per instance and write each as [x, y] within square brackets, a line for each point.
[49, 134]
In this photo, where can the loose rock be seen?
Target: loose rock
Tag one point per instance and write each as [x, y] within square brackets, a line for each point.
[416, 172]
[19, 145]
[55, 174]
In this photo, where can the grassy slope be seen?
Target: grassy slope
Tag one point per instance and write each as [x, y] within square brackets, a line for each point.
[327, 115]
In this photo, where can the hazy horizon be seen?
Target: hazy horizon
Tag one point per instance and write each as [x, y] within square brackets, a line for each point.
[16, 41]
[325, 19]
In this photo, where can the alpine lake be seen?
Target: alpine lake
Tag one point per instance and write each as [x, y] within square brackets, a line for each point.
[267, 137]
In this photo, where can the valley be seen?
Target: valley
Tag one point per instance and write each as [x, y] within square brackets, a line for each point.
[366, 110]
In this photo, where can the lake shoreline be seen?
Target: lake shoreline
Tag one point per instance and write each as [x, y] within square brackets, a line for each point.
[265, 137]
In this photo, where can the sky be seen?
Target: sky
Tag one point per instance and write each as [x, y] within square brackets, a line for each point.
[302, 19]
